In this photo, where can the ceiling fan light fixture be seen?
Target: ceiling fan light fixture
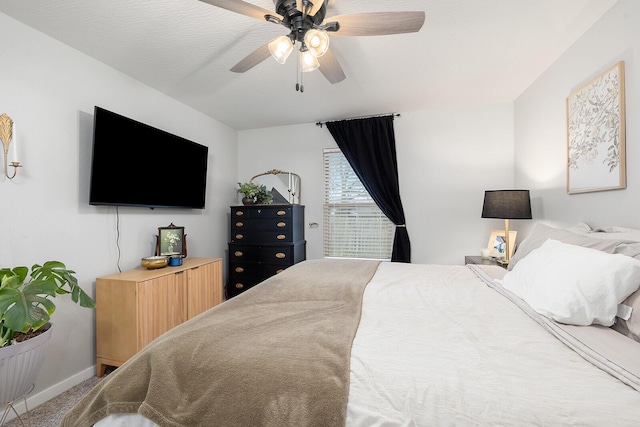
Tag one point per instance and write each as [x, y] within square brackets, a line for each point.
[281, 48]
[308, 62]
[317, 41]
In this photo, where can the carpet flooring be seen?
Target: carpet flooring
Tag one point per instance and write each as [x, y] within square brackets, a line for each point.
[50, 413]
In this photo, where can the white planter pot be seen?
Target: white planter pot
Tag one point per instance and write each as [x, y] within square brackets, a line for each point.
[19, 366]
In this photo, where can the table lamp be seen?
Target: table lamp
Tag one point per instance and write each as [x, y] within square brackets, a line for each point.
[506, 204]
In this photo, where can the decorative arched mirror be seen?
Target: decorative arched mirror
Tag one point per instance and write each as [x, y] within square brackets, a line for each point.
[284, 186]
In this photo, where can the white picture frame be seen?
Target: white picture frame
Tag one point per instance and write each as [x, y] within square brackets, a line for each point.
[596, 134]
[497, 244]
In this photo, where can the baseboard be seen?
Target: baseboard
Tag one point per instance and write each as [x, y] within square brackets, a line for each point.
[51, 392]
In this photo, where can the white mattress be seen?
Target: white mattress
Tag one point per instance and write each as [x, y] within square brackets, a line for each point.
[437, 346]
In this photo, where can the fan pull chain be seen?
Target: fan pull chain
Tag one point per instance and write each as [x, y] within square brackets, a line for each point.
[301, 82]
[298, 74]
[299, 78]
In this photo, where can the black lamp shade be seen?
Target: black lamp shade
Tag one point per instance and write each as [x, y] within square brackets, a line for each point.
[507, 204]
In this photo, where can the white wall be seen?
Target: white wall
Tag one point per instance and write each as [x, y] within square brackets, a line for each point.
[50, 90]
[446, 158]
[540, 125]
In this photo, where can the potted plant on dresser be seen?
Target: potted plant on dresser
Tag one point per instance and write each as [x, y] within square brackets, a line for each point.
[254, 194]
[249, 191]
[25, 309]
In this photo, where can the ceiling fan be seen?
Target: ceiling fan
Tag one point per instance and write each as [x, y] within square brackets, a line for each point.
[309, 30]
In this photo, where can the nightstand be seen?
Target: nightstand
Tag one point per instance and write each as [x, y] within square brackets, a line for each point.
[470, 259]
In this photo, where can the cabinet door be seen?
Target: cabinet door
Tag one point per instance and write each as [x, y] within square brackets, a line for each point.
[205, 287]
[116, 321]
[162, 304]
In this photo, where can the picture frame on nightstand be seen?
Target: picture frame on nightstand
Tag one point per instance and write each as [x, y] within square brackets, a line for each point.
[497, 243]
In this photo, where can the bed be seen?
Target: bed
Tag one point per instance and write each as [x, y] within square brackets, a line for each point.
[551, 341]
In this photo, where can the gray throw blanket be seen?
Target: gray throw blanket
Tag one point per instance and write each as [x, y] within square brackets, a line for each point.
[276, 355]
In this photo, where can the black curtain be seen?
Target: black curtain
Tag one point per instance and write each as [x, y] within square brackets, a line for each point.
[370, 147]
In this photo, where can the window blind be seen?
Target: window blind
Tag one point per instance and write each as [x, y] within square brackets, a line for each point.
[354, 226]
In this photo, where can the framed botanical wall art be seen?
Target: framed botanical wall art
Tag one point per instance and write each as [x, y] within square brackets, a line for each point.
[171, 240]
[596, 134]
[497, 244]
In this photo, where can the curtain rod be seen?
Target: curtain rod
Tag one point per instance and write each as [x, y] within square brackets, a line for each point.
[363, 117]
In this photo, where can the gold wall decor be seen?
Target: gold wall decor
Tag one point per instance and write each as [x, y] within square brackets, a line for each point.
[6, 130]
[7, 136]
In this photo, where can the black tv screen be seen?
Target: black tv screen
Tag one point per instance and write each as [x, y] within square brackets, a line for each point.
[135, 164]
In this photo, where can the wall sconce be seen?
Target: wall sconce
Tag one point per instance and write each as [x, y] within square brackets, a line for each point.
[7, 135]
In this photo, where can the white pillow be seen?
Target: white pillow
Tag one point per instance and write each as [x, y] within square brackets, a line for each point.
[621, 233]
[580, 227]
[542, 232]
[572, 284]
[627, 239]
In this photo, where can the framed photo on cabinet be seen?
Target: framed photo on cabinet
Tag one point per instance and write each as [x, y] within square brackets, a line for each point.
[171, 241]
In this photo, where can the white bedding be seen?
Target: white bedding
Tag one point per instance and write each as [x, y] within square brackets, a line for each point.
[437, 346]
[474, 358]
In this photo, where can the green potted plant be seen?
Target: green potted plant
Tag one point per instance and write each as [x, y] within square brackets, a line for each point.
[263, 197]
[25, 309]
[249, 190]
[254, 193]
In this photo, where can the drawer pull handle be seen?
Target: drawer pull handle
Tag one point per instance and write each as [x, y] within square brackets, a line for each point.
[239, 285]
[239, 213]
[239, 270]
[280, 255]
[280, 270]
[281, 236]
[238, 253]
[281, 224]
[239, 236]
[239, 224]
[280, 213]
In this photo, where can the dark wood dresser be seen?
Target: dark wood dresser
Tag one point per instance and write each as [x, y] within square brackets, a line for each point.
[265, 239]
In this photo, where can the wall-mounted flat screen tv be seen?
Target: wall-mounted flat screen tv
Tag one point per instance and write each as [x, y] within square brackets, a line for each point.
[135, 164]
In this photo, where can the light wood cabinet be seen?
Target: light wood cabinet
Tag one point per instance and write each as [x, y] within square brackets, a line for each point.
[135, 307]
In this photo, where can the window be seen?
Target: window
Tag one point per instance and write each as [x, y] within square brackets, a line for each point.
[354, 226]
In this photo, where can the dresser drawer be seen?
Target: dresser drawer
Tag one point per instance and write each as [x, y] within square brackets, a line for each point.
[268, 254]
[284, 211]
[255, 270]
[267, 224]
[246, 275]
[236, 287]
[267, 231]
[263, 237]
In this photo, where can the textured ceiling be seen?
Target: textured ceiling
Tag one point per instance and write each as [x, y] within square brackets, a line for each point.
[469, 52]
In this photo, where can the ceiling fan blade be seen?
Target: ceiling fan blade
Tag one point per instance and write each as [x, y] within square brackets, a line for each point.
[330, 68]
[243, 8]
[253, 59]
[378, 23]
